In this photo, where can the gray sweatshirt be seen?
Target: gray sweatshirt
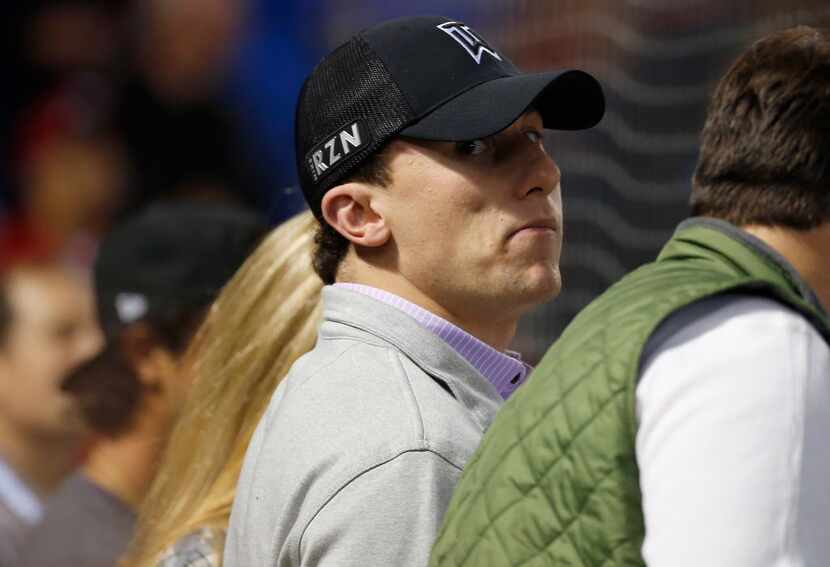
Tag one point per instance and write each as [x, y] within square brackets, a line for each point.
[355, 460]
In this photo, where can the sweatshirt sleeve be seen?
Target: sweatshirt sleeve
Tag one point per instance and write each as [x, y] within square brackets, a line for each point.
[388, 515]
[733, 406]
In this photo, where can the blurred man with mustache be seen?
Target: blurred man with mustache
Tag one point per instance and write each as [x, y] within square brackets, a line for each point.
[47, 327]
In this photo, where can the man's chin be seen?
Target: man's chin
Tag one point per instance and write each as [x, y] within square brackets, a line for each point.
[540, 284]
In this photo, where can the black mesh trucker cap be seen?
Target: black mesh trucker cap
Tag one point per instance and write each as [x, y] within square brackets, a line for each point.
[427, 77]
[170, 256]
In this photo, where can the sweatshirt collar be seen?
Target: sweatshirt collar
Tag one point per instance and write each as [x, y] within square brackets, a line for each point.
[504, 370]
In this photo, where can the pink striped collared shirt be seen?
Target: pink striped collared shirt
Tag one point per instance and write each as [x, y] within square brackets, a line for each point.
[505, 370]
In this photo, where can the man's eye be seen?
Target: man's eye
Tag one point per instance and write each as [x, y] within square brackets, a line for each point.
[471, 148]
[534, 136]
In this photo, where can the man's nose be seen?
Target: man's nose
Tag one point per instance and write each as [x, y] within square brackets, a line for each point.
[543, 175]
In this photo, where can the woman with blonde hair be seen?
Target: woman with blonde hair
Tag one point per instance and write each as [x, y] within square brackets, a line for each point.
[265, 318]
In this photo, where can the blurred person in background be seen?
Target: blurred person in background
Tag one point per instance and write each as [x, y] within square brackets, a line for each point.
[178, 128]
[264, 319]
[681, 419]
[50, 41]
[155, 277]
[419, 147]
[171, 67]
[47, 43]
[73, 176]
[47, 327]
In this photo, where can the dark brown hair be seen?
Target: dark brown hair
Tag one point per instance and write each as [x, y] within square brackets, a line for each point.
[107, 388]
[330, 246]
[107, 391]
[765, 153]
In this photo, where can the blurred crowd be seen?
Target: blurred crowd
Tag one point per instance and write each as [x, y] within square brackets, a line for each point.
[116, 103]
[111, 107]
[130, 125]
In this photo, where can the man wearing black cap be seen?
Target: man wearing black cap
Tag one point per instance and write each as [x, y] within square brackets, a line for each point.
[420, 150]
[155, 277]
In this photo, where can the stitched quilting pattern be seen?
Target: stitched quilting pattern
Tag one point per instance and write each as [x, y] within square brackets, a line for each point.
[555, 481]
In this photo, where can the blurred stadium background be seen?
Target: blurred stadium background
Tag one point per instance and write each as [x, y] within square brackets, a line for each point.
[110, 104]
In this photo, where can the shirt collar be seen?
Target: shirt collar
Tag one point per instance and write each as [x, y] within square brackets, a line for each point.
[504, 370]
[759, 247]
[18, 497]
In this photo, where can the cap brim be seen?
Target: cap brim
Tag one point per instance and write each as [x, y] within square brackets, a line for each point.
[567, 100]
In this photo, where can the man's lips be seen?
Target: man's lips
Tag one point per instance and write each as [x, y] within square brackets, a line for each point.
[540, 225]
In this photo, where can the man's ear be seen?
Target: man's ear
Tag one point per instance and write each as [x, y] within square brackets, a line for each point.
[349, 209]
[147, 358]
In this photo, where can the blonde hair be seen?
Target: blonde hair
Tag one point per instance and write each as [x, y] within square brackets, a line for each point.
[264, 319]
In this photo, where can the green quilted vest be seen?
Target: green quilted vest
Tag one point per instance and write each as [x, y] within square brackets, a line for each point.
[555, 480]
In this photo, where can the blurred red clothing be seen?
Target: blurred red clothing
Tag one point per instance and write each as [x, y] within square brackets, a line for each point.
[19, 241]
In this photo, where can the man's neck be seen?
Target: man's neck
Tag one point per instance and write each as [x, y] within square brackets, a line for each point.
[806, 250]
[484, 324]
[40, 463]
[125, 466]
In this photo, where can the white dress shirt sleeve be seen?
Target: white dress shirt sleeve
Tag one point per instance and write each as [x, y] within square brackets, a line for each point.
[733, 406]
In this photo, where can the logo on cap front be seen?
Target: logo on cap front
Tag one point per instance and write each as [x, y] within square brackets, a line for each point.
[473, 43]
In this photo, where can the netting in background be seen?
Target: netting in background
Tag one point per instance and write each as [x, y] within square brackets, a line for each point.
[626, 183]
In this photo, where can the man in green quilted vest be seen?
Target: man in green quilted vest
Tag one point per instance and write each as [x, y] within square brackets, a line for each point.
[682, 418]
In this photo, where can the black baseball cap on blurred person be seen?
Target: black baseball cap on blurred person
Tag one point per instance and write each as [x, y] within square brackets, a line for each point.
[428, 78]
[171, 256]
[167, 263]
